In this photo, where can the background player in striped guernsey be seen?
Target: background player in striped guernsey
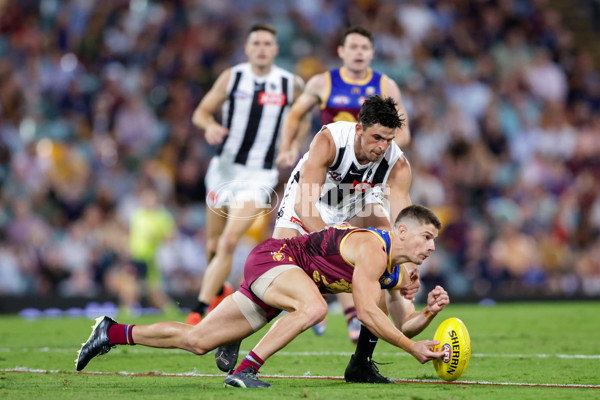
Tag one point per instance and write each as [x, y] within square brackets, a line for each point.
[291, 275]
[340, 94]
[255, 97]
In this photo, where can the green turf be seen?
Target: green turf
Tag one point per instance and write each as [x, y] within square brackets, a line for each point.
[530, 343]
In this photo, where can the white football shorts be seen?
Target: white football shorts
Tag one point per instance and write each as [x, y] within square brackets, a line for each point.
[350, 206]
[228, 183]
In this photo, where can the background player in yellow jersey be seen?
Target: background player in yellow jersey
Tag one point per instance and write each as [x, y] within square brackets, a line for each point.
[149, 226]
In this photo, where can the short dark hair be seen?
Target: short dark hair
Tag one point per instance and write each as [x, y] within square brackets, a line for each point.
[359, 30]
[420, 213]
[379, 110]
[262, 27]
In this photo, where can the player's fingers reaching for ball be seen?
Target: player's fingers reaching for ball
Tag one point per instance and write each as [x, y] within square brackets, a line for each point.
[411, 290]
[422, 350]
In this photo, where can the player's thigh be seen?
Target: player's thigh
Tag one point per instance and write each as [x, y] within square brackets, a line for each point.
[240, 219]
[293, 290]
[345, 300]
[216, 219]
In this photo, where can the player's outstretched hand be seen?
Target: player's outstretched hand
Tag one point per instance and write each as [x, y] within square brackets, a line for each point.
[422, 350]
[287, 159]
[409, 292]
[215, 134]
[437, 299]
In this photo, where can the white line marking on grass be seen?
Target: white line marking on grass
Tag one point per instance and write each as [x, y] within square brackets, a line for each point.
[334, 378]
[142, 350]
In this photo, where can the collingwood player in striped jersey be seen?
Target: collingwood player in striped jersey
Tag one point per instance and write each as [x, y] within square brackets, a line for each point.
[354, 173]
[255, 97]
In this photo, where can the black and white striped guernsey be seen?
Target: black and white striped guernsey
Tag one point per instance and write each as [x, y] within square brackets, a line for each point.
[254, 112]
[347, 182]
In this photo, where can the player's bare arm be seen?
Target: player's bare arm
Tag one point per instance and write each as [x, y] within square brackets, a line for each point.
[203, 117]
[370, 260]
[297, 122]
[398, 198]
[399, 181]
[407, 319]
[312, 176]
[392, 90]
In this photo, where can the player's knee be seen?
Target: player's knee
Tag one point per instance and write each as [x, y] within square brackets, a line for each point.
[195, 345]
[211, 245]
[316, 312]
[228, 243]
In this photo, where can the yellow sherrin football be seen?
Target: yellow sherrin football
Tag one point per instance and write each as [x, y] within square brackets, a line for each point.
[455, 343]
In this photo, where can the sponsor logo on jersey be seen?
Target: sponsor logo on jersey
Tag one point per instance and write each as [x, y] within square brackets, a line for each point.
[361, 186]
[370, 90]
[297, 222]
[241, 95]
[355, 90]
[335, 176]
[361, 100]
[340, 99]
[273, 99]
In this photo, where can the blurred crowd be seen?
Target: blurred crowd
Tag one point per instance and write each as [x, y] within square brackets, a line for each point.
[96, 101]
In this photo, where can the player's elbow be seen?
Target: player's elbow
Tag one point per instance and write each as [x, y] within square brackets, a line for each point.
[365, 316]
[197, 118]
[294, 116]
[403, 139]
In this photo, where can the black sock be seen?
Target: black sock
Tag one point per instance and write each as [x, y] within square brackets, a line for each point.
[200, 307]
[366, 344]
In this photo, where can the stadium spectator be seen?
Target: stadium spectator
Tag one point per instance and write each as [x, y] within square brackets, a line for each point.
[177, 50]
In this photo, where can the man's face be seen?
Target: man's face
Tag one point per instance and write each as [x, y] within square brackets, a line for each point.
[356, 53]
[261, 48]
[374, 141]
[420, 239]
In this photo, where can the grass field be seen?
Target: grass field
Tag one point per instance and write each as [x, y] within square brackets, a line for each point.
[520, 351]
